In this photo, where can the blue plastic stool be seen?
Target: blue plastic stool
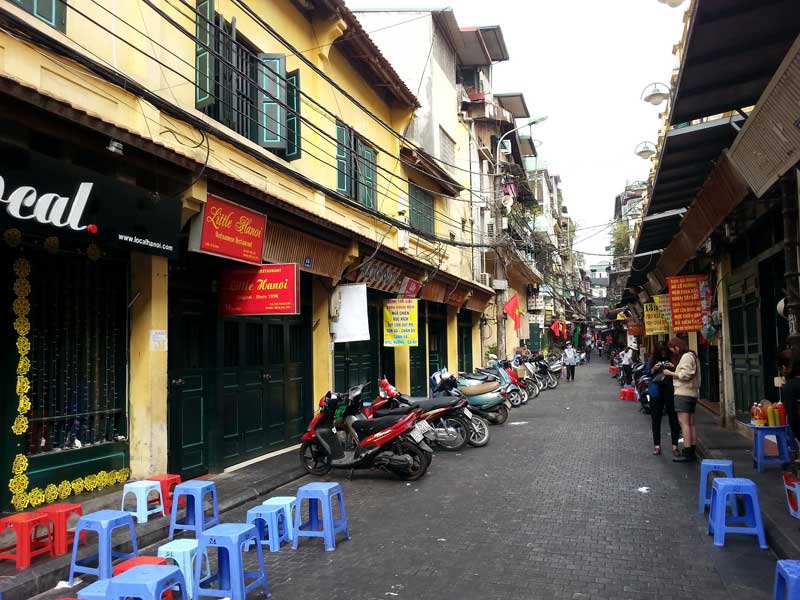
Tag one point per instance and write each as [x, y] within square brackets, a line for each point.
[104, 522]
[183, 552]
[147, 582]
[707, 467]
[719, 523]
[320, 494]
[141, 490]
[272, 525]
[231, 579]
[194, 492]
[760, 459]
[289, 504]
[787, 580]
[97, 591]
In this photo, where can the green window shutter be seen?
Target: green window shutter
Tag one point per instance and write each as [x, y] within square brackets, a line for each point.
[344, 181]
[293, 150]
[365, 176]
[271, 95]
[52, 12]
[421, 209]
[204, 59]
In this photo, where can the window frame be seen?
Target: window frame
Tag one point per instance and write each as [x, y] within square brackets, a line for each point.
[417, 200]
[58, 11]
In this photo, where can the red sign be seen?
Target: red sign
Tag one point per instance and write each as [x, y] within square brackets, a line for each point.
[229, 230]
[635, 327]
[409, 288]
[269, 290]
[690, 299]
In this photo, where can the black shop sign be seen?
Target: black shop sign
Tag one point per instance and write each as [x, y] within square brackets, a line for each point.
[51, 197]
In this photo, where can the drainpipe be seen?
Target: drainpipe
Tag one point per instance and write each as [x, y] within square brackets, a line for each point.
[790, 248]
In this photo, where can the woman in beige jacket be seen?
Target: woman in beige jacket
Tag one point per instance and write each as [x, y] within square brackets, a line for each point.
[686, 379]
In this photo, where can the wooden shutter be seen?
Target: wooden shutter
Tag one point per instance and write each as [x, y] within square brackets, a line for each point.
[271, 95]
[52, 12]
[293, 149]
[421, 209]
[344, 182]
[204, 60]
[365, 175]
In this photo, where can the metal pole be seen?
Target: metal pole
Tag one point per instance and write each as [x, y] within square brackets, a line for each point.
[500, 268]
[790, 250]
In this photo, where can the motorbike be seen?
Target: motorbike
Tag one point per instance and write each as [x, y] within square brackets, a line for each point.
[526, 377]
[549, 372]
[517, 394]
[488, 400]
[393, 443]
[453, 424]
[641, 381]
[534, 375]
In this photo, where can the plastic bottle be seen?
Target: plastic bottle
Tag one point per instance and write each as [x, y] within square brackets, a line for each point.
[753, 413]
[760, 417]
[772, 416]
[781, 412]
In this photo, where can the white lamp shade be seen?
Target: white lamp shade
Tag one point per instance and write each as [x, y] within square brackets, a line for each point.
[656, 97]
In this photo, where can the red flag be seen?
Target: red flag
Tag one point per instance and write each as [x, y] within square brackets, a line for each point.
[564, 330]
[512, 310]
[555, 328]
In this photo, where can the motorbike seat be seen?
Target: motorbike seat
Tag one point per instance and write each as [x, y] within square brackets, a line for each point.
[389, 412]
[366, 427]
[427, 404]
[477, 390]
[475, 376]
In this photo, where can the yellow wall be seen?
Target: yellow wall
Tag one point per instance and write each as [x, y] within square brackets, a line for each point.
[148, 367]
[452, 339]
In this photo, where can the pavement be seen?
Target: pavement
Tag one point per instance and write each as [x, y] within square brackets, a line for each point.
[566, 502]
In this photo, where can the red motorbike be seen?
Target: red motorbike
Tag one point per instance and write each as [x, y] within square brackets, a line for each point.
[449, 417]
[341, 437]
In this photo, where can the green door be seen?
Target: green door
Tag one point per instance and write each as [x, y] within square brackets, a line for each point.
[418, 359]
[746, 352]
[465, 343]
[192, 381]
[359, 362]
[437, 344]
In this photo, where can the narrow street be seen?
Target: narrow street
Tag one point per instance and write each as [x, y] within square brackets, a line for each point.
[554, 507]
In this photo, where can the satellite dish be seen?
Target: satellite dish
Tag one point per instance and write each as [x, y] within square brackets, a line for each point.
[508, 202]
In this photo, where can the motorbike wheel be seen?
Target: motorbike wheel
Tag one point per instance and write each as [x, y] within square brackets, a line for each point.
[421, 462]
[502, 415]
[462, 430]
[552, 381]
[315, 460]
[479, 432]
[533, 390]
[515, 398]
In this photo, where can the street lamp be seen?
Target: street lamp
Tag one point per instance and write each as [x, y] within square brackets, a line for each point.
[655, 95]
[672, 3]
[645, 150]
[534, 121]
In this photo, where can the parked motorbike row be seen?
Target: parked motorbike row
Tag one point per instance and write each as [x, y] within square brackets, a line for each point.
[396, 433]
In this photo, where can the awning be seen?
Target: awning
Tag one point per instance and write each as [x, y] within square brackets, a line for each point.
[482, 46]
[288, 245]
[732, 50]
[514, 102]
[426, 165]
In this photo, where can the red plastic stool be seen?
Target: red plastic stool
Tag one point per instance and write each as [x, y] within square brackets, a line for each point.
[60, 514]
[168, 483]
[28, 544]
[143, 560]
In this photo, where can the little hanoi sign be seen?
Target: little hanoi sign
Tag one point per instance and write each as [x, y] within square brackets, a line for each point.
[226, 229]
[268, 290]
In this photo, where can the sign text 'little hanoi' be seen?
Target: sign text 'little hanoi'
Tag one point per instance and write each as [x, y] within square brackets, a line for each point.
[50, 208]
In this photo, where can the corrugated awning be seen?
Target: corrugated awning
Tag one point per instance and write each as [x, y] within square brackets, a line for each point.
[514, 102]
[732, 50]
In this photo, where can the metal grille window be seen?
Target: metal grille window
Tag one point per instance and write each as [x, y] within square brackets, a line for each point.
[421, 209]
[78, 352]
[447, 150]
[52, 12]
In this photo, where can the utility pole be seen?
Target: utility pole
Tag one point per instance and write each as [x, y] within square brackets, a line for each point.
[500, 267]
[790, 252]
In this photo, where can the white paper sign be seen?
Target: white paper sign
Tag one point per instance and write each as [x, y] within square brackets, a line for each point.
[353, 322]
[158, 340]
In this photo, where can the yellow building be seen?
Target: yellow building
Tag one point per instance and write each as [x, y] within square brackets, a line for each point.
[156, 154]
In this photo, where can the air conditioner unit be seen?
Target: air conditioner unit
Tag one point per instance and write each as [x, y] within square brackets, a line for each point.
[500, 284]
[403, 239]
[490, 230]
[485, 279]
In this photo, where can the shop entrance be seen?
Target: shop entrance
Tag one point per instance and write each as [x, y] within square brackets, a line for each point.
[239, 386]
[743, 307]
[418, 358]
[465, 342]
[437, 336]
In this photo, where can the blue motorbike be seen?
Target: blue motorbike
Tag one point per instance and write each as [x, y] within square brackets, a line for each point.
[486, 399]
[496, 372]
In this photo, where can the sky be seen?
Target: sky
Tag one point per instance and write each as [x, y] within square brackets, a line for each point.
[583, 64]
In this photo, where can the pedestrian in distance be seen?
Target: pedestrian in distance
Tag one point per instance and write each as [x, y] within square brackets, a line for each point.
[588, 352]
[570, 360]
[789, 363]
[627, 365]
[662, 399]
[600, 348]
[686, 379]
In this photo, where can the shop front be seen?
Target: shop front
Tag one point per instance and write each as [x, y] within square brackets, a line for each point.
[240, 369]
[73, 242]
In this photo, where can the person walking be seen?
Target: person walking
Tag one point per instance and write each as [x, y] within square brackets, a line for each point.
[600, 348]
[570, 360]
[662, 399]
[627, 365]
[588, 352]
[686, 379]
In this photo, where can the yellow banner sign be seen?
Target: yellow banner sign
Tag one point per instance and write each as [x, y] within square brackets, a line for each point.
[662, 302]
[654, 322]
[400, 322]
